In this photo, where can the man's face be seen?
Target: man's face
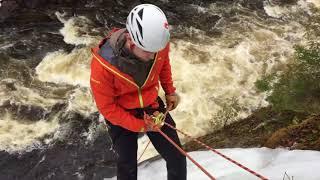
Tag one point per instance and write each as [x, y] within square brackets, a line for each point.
[138, 52]
[142, 54]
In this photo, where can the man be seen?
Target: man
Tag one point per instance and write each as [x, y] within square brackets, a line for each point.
[125, 73]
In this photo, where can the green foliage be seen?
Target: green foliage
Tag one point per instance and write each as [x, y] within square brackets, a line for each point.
[298, 87]
[312, 26]
[264, 84]
[228, 112]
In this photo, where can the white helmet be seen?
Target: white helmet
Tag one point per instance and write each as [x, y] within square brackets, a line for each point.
[148, 27]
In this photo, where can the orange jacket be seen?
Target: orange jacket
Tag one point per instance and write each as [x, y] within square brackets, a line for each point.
[116, 92]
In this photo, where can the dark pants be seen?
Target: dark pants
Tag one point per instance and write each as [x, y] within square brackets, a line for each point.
[125, 145]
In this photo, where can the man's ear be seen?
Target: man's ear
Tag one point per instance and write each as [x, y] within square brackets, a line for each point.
[128, 36]
[130, 43]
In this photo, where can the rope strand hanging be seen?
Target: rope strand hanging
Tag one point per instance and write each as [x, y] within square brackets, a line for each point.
[204, 145]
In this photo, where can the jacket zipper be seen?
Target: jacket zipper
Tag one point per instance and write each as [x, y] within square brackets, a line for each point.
[140, 88]
[140, 98]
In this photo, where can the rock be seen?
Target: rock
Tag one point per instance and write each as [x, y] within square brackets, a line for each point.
[34, 3]
[25, 17]
[305, 133]
[277, 138]
[314, 131]
[253, 4]
[6, 9]
[71, 156]
[283, 2]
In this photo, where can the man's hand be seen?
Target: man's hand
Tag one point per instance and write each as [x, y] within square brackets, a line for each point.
[172, 101]
[155, 121]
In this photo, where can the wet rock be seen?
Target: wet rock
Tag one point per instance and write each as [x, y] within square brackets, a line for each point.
[25, 112]
[201, 20]
[72, 155]
[11, 86]
[33, 3]
[7, 8]
[34, 44]
[253, 4]
[25, 17]
[20, 50]
[283, 2]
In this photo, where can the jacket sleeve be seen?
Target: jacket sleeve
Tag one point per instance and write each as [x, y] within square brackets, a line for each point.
[165, 74]
[101, 82]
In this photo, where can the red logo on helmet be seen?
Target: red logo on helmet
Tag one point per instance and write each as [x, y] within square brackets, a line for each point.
[166, 25]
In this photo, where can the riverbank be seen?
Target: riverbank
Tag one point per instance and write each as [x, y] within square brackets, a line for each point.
[267, 128]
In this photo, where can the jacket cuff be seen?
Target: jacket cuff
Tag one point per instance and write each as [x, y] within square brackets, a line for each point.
[169, 91]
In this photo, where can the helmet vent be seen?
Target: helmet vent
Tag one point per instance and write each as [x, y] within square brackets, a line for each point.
[139, 40]
[140, 28]
[140, 13]
[131, 18]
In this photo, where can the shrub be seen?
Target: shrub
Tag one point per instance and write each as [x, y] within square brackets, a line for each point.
[265, 83]
[298, 87]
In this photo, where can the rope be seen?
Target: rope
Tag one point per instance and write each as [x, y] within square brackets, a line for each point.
[217, 152]
[164, 117]
[203, 144]
[143, 151]
[185, 154]
[178, 147]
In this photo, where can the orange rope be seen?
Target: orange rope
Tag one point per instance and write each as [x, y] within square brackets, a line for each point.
[185, 154]
[165, 114]
[201, 143]
[217, 152]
